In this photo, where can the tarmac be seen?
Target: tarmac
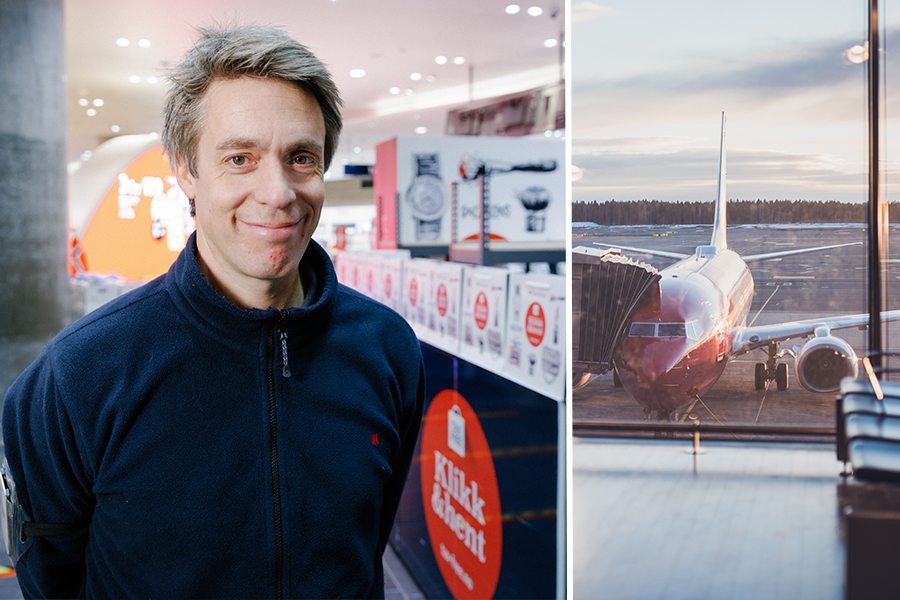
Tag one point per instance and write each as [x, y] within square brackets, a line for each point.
[740, 519]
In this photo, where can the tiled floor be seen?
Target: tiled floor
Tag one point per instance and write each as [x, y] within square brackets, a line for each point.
[398, 583]
[753, 520]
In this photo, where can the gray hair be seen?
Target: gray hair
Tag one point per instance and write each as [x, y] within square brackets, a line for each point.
[229, 53]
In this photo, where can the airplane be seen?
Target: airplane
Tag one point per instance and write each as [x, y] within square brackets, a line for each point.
[694, 322]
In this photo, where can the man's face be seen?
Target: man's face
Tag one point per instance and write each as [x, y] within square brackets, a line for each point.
[259, 187]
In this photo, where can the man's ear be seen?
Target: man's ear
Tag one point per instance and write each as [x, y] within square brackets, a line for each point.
[184, 178]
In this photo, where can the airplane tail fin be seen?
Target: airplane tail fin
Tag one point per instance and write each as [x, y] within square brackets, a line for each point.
[718, 236]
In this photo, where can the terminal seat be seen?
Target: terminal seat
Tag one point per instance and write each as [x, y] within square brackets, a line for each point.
[868, 430]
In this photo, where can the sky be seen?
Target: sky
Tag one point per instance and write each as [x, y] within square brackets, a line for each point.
[651, 79]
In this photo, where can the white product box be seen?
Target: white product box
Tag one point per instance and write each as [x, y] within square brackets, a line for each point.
[536, 333]
[484, 317]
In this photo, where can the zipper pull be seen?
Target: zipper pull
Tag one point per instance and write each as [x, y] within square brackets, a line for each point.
[286, 371]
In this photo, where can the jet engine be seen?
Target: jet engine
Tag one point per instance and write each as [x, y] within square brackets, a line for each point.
[824, 361]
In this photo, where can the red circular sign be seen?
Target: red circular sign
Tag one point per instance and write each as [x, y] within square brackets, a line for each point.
[534, 324]
[481, 310]
[442, 299]
[413, 291]
[461, 498]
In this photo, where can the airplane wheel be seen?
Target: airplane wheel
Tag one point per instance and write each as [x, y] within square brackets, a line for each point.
[616, 381]
[781, 376]
[760, 379]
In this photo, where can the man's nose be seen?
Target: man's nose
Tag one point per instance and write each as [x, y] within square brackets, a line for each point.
[275, 189]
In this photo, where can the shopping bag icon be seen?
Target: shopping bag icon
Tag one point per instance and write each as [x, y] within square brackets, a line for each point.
[456, 431]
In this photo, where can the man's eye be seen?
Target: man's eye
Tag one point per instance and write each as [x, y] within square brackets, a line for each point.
[303, 160]
[238, 161]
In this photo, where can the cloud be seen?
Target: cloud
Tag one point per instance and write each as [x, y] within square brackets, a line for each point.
[586, 11]
[692, 174]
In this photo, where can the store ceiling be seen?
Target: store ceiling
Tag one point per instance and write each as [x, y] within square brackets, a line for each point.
[389, 39]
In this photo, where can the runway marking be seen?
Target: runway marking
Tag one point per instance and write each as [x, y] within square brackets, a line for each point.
[766, 391]
[688, 411]
[713, 416]
[759, 312]
[793, 277]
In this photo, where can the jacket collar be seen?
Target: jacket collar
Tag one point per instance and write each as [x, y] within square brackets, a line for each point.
[236, 326]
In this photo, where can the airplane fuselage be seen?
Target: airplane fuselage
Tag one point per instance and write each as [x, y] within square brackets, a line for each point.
[680, 340]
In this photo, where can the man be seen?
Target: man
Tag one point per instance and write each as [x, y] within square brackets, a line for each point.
[241, 426]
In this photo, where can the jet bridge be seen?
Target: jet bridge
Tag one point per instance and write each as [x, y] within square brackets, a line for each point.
[606, 290]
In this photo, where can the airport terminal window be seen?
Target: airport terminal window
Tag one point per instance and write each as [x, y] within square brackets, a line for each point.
[648, 187]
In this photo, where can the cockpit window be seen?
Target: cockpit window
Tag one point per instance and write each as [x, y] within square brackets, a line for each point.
[690, 330]
[642, 330]
[671, 330]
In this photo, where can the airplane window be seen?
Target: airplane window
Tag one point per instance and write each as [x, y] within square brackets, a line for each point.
[671, 330]
[643, 330]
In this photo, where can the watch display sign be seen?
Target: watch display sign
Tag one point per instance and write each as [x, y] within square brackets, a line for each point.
[536, 345]
[525, 193]
[484, 318]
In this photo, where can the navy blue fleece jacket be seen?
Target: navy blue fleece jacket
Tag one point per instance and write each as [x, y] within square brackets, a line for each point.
[166, 423]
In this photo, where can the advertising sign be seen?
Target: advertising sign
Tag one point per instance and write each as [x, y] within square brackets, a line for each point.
[537, 333]
[461, 498]
[140, 225]
[526, 188]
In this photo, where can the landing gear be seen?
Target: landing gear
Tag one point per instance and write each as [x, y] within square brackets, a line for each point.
[781, 377]
[771, 370]
[761, 378]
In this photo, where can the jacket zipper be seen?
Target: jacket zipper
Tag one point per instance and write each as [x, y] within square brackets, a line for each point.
[273, 460]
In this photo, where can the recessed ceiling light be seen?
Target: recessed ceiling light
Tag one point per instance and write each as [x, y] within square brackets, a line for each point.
[535, 11]
[134, 79]
[357, 73]
[144, 43]
[98, 102]
[356, 149]
[83, 102]
[122, 42]
[431, 79]
[512, 9]
[421, 130]
[459, 60]
[395, 90]
[550, 42]
[415, 76]
[86, 155]
[152, 79]
[116, 129]
[441, 60]
[409, 92]
[91, 112]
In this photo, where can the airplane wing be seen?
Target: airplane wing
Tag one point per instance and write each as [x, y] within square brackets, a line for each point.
[750, 338]
[757, 257]
[646, 251]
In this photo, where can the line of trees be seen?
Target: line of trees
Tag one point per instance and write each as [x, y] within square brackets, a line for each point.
[740, 212]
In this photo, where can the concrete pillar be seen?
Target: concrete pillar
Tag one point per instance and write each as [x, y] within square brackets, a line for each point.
[33, 208]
